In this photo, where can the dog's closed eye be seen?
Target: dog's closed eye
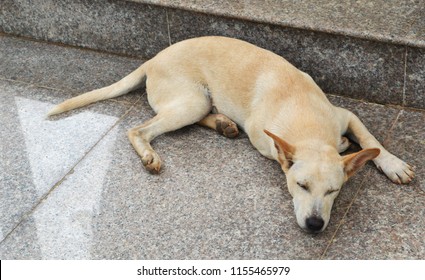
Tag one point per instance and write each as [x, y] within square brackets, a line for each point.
[303, 186]
[331, 191]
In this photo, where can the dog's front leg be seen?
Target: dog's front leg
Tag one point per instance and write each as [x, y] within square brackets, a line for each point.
[397, 170]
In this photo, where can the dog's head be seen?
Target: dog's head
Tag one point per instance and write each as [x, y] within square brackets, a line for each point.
[315, 176]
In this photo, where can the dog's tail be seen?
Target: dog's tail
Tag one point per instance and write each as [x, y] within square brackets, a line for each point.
[130, 82]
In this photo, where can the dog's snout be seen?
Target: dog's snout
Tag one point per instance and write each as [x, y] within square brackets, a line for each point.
[314, 223]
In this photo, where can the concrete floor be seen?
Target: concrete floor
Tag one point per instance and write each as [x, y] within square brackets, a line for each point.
[72, 187]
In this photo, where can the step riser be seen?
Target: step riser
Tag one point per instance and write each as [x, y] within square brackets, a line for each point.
[115, 26]
[373, 71]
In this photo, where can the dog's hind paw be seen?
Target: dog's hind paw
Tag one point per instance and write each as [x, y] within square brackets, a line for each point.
[226, 127]
[397, 170]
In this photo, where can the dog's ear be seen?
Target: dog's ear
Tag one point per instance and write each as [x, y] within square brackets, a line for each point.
[354, 162]
[285, 150]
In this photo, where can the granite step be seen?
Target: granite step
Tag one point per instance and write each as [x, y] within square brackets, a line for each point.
[373, 51]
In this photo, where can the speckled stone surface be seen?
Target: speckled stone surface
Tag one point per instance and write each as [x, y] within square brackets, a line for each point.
[393, 21]
[36, 154]
[216, 198]
[110, 25]
[415, 78]
[70, 71]
[37, 75]
[408, 141]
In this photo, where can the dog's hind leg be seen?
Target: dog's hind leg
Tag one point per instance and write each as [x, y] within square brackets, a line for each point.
[175, 109]
[344, 144]
[222, 124]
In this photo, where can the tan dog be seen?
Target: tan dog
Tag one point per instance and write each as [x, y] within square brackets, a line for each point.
[285, 114]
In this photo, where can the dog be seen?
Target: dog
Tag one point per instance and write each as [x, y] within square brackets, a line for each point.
[286, 116]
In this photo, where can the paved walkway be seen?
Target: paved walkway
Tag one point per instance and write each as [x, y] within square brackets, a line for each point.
[71, 187]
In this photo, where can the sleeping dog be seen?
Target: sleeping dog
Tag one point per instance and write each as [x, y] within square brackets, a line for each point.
[285, 114]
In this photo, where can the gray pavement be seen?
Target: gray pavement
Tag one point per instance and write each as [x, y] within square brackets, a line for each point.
[72, 187]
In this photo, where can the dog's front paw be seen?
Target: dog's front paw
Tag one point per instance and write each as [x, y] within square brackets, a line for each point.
[397, 170]
[151, 161]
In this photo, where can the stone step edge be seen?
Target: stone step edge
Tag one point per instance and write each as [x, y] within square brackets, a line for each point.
[358, 34]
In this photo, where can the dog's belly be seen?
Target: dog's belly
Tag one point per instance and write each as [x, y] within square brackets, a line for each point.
[233, 111]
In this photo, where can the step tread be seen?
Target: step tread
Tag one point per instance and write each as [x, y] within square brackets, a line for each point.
[392, 21]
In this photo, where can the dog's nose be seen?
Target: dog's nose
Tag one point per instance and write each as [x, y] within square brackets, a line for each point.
[314, 224]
